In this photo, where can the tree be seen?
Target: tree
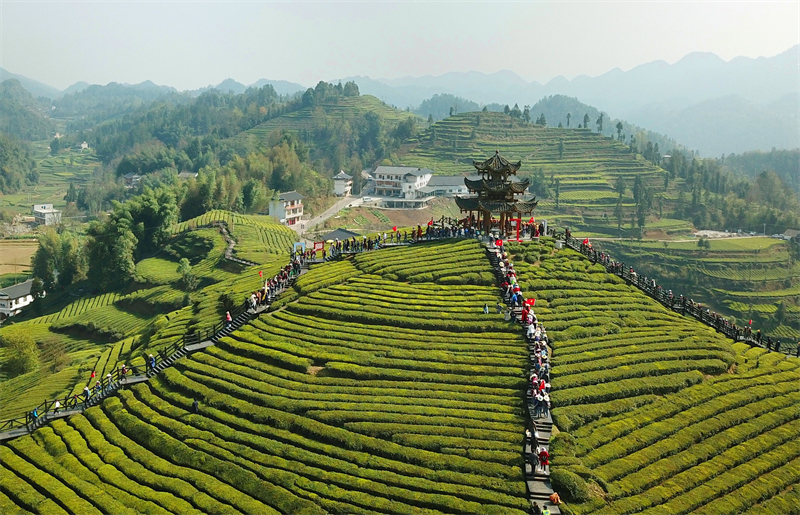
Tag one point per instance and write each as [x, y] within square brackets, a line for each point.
[515, 112]
[600, 123]
[569, 115]
[638, 189]
[188, 278]
[619, 186]
[22, 354]
[539, 184]
[526, 114]
[351, 89]
[72, 193]
[558, 191]
[619, 130]
[451, 111]
[430, 119]
[619, 214]
[560, 148]
[586, 121]
[542, 120]
[55, 146]
[506, 109]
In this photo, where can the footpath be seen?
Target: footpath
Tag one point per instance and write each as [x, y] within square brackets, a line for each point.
[537, 435]
[51, 410]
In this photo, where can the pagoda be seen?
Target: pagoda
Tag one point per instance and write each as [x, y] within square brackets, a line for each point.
[496, 194]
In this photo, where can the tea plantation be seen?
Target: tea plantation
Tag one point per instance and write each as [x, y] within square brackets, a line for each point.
[659, 414]
[748, 278]
[101, 332]
[378, 385]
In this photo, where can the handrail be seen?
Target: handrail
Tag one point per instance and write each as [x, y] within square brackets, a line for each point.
[679, 303]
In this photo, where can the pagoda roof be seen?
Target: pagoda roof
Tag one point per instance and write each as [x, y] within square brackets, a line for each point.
[497, 187]
[497, 163]
[496, 206]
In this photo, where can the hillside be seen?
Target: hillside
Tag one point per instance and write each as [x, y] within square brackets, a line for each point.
[78, 331]
[312, 118]
[747, 278]
[587, 170]
[311, 409]
[658, 414]
[21, 115]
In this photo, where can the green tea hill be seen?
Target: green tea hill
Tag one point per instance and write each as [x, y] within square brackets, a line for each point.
[587, 164]
[658, 413]
[79, 333]
[749, 278]
[362, 393]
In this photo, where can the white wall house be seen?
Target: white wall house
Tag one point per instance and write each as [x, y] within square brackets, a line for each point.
[287, 208]
[400, 181]
[342, 184]
[45, 214]
[14, 298]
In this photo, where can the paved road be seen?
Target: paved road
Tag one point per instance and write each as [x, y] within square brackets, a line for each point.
[306, 225]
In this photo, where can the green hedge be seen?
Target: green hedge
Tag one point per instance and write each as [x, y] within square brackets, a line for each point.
[569, 485]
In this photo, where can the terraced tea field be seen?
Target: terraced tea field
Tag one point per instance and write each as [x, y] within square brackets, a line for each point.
[658, 413]
[103, 331]
[365, 395]
[745, 277]
[587, 170]
[55, 175]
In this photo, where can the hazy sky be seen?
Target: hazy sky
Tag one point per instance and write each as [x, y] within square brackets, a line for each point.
[192, 44]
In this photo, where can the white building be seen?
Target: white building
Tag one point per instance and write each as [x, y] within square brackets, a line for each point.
[45, 214]
[445, 186]
[401, 181]
[14, 298]
[287, 208]
[342, 184]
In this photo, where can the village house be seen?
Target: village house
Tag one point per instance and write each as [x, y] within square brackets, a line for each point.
[45, 214]
[342, 184]
[287, 207]
[14, 298]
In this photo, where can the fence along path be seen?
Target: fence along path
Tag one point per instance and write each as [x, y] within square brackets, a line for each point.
[678, 303]
[49, 409]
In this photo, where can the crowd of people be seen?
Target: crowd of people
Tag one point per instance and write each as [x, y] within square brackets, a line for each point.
[675, 302]
[521, 310]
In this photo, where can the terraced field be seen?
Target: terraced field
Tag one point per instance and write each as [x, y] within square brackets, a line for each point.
[658, 413]
[101, 332]
[745, 277]
[365, 395]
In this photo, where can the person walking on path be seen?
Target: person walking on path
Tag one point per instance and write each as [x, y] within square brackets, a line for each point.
[86, 395]
[57, 407]
[228, 320]
[196, 406]
[486, 309]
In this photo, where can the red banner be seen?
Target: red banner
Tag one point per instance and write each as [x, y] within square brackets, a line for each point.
[319, 245]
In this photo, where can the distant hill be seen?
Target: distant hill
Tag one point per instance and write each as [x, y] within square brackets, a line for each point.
[229, 85]
[95, 104]
[34, 87]
[657, 95]
[282, 87]
[20, 114]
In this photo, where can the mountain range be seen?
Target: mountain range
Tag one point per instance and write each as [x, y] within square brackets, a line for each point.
[702, 101]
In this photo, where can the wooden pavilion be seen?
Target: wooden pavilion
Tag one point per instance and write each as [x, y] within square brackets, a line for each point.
[496, 194]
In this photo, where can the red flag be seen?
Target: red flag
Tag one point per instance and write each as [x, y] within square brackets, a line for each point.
[394, 228]
[261, 273]
[430, 223]
[530, 221]
[499, 243]
[586, 241]
[751, 321]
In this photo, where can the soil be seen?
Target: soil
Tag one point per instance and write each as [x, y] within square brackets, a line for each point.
[15, 256]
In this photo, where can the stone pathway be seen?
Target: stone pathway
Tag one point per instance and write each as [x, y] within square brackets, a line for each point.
[537, 479]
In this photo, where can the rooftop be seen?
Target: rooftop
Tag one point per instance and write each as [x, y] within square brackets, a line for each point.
[402, 170]
[290, 195]
[341, 234]
[341, 176]
[18, 290]
[446, 180]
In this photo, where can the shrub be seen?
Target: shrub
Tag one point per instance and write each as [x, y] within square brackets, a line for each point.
[569, 485]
